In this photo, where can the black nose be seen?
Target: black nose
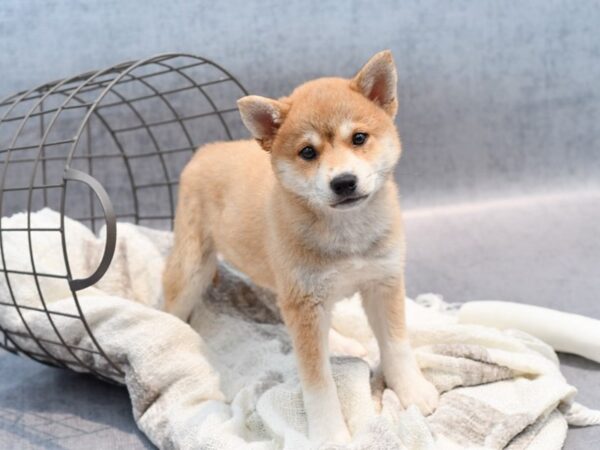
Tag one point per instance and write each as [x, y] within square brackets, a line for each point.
[344, 184]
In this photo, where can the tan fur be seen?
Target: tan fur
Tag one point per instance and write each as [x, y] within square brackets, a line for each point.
[303, 318]
[274, 216]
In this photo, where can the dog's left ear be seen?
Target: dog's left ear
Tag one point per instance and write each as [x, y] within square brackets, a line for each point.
[263, 117]
[377, 81]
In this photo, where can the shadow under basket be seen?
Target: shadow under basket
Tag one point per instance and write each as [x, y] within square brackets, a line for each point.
[99, 147]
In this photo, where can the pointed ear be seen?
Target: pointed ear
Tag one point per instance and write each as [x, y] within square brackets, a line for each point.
[377, 81]
[263, 117]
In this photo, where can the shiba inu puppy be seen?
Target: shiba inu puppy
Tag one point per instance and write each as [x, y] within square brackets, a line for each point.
[310, 210]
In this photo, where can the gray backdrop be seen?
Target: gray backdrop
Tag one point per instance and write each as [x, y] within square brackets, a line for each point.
[494, 96]
[499, 101]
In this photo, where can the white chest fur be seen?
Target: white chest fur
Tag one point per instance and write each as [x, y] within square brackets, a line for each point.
[349, 275]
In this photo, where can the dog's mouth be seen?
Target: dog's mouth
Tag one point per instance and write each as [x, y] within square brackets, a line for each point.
[349, 202]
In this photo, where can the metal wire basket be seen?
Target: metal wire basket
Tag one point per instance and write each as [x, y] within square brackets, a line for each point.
[99, 147]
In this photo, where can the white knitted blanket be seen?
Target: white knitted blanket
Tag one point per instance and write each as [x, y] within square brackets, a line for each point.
[229, 381]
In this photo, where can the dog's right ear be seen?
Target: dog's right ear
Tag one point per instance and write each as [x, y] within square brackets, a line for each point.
[263, 117]
[377, 81]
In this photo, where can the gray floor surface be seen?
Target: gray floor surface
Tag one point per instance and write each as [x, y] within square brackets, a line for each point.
[539, 249]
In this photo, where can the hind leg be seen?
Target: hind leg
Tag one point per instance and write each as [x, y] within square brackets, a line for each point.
[192, 264]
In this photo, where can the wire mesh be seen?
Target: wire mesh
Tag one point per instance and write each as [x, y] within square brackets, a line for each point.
[101, 146]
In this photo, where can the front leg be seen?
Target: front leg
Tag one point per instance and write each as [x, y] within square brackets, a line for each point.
[308, 322]
[384, 304]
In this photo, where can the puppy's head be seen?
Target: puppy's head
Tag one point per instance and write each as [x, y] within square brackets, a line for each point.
[333, 141]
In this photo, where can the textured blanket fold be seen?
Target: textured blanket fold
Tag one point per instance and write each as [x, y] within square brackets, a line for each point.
[228, 379]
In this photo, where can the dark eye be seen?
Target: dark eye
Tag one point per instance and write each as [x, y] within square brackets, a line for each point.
[359, 138]
[308, 153]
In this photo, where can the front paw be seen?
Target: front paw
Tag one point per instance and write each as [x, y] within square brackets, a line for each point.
[413, 389]
[326, 424]
[325, 434]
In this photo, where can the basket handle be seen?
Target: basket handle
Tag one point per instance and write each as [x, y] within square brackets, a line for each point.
[111, 227]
